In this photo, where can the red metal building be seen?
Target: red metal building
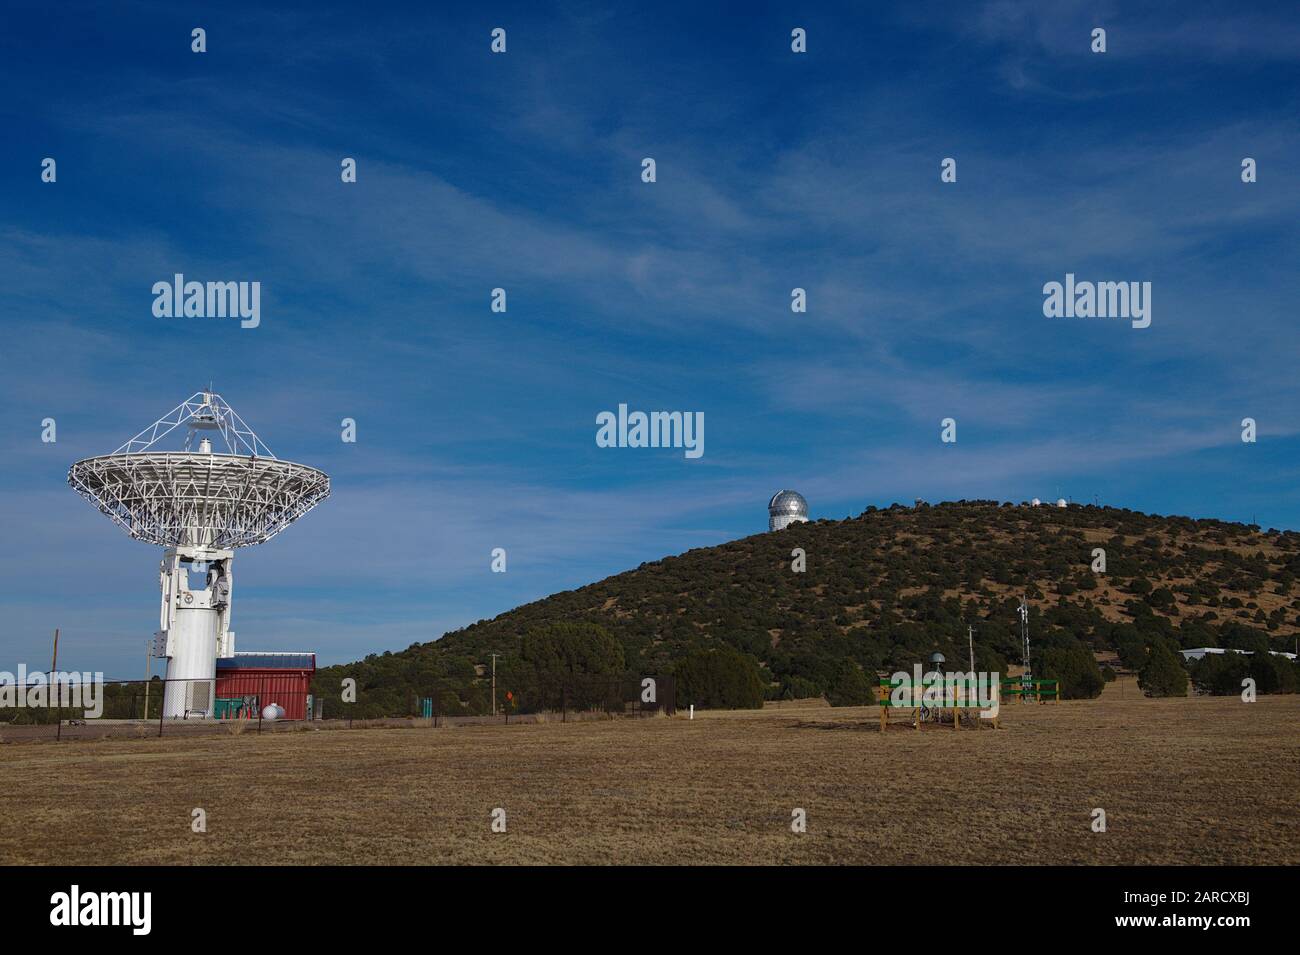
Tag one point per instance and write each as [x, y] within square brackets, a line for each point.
[281, 678]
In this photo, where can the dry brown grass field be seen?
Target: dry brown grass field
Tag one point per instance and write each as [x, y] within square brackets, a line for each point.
[1185, 781]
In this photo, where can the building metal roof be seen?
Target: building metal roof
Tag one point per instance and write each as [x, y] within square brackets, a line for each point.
[268, 660]
[1197, 652]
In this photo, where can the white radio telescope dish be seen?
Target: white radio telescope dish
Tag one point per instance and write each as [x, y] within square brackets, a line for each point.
[200, 505]
[196, 497]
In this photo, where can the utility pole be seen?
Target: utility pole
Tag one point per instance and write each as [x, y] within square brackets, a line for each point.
[148, 674]
[494, 684]
[54, 665]
[970, 637]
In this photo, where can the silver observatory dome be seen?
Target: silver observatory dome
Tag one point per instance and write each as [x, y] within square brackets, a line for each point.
[786, 508]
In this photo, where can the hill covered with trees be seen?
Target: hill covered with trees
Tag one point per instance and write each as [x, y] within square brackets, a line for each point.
[884, 590]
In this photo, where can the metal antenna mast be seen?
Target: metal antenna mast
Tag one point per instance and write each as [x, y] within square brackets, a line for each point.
[1024, 637]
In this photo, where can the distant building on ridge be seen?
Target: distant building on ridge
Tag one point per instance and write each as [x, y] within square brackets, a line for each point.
[786, 508]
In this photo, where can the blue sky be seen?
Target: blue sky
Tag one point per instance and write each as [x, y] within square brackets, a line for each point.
[522, 171]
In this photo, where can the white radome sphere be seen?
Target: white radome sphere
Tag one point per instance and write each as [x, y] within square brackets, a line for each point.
[1060, 502]
[270, 712]
[1035, 502]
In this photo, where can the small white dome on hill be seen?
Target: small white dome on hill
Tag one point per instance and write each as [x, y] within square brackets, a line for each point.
[786, 508]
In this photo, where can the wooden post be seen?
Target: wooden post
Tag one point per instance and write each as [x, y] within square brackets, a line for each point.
[54, 665]
[884, 715]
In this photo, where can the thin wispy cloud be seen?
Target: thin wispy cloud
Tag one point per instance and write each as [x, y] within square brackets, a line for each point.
[476, 429]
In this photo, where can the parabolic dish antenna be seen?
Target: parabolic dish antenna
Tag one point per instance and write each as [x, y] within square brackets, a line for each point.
[197, 497]
[200, 505]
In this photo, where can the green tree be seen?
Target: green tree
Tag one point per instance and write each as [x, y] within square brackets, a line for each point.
[798, 688]
[1132, 648]
[1076, 669]
[561, 649]
[1162, 598]
[1220, 674]
[1163, 674]
[720, 678]
[1272, 674]
[1238, 636]
[851, 687]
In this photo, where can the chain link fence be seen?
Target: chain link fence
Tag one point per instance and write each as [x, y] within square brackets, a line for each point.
[136, 708]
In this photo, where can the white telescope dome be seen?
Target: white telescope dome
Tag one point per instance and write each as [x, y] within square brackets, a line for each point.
[786, 508]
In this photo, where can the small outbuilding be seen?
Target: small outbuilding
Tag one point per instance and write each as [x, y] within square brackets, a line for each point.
[247, 682]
